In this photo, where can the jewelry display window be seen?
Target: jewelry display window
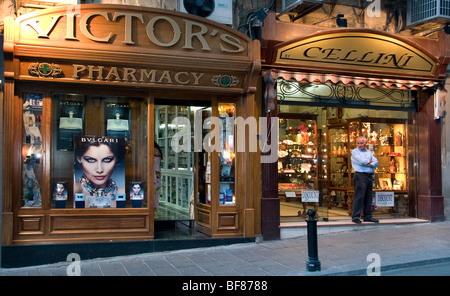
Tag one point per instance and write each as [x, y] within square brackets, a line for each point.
[301, 166]
[387, 138]
[98, 153]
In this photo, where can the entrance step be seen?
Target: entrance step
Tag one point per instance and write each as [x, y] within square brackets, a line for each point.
[298, 229]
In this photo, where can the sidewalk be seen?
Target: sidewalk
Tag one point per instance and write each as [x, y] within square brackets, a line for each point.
[342, 253]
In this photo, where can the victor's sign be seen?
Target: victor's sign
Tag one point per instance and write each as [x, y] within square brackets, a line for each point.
[129, 45]
[121, 23]
[128, 28]
[356, 50]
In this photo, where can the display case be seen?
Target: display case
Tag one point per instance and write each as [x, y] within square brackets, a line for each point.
[300, 165]
[387, 139]
[177, 175]
[338, 158]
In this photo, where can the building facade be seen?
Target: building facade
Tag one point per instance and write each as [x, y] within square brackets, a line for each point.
[329, 86]
[95, 99]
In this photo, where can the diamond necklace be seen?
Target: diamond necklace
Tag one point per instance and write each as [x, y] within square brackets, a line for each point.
[111, 186]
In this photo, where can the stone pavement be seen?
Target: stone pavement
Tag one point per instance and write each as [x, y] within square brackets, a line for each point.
[341, 253]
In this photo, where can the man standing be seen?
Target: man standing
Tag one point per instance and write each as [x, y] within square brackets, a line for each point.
[364, 164]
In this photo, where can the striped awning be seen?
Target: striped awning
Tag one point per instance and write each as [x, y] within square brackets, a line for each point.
[336, 79]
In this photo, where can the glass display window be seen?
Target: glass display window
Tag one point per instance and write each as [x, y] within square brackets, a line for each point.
[227, 154]
[301, 166]
[99, 155]
[335, 138]
[387, 138]
[32, 151]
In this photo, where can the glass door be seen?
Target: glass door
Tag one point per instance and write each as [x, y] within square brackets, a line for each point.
[173, 127]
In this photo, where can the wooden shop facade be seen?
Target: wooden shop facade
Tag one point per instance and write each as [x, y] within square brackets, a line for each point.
[117, 117]
[328, 86]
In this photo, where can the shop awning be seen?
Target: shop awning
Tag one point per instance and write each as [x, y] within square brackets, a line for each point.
[336, 79]
[388, 88]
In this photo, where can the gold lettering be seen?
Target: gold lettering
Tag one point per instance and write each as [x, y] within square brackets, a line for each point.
[77, 69]
[151, 33]
[128, 24]
[85, 24]
[197, 77]
[146, 74]
[38, 29]
[230, 40]
[92, 69]
[70, 27]
[113, 72]
[178, 80]
[199, 35]
[132, 75]
[165, 75]
[129, 72]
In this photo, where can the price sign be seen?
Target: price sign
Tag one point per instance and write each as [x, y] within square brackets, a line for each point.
[384, 198]
[310, 196]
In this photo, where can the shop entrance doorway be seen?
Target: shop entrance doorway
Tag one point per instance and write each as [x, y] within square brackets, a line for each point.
[314, 164]
[175, 189]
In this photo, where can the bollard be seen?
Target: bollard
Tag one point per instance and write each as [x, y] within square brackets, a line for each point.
[313, 263]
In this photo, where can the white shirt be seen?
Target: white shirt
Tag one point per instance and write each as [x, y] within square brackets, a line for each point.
[360, 158]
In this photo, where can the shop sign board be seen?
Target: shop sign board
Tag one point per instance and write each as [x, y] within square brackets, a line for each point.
[124, 27]
[358, 50]
[130, 45]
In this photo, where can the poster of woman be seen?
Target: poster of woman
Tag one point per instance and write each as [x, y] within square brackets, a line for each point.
[136, 191]
[60, 191]
[99, 169]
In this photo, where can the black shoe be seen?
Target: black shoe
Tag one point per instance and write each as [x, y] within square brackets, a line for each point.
[357, 221]
[371, 220]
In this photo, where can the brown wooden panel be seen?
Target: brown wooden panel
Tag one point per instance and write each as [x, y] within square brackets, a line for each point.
[31, 225]
[270, 218]
[227, 221]
[86, 223]
[203, 217]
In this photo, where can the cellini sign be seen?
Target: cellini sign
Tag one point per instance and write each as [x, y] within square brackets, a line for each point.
[357, 50]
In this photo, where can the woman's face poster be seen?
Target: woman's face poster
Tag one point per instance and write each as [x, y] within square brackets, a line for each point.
[99, 169]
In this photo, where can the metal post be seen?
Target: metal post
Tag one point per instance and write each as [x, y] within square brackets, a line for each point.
[313, 263]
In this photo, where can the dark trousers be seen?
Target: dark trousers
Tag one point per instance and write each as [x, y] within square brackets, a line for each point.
[362, 200]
